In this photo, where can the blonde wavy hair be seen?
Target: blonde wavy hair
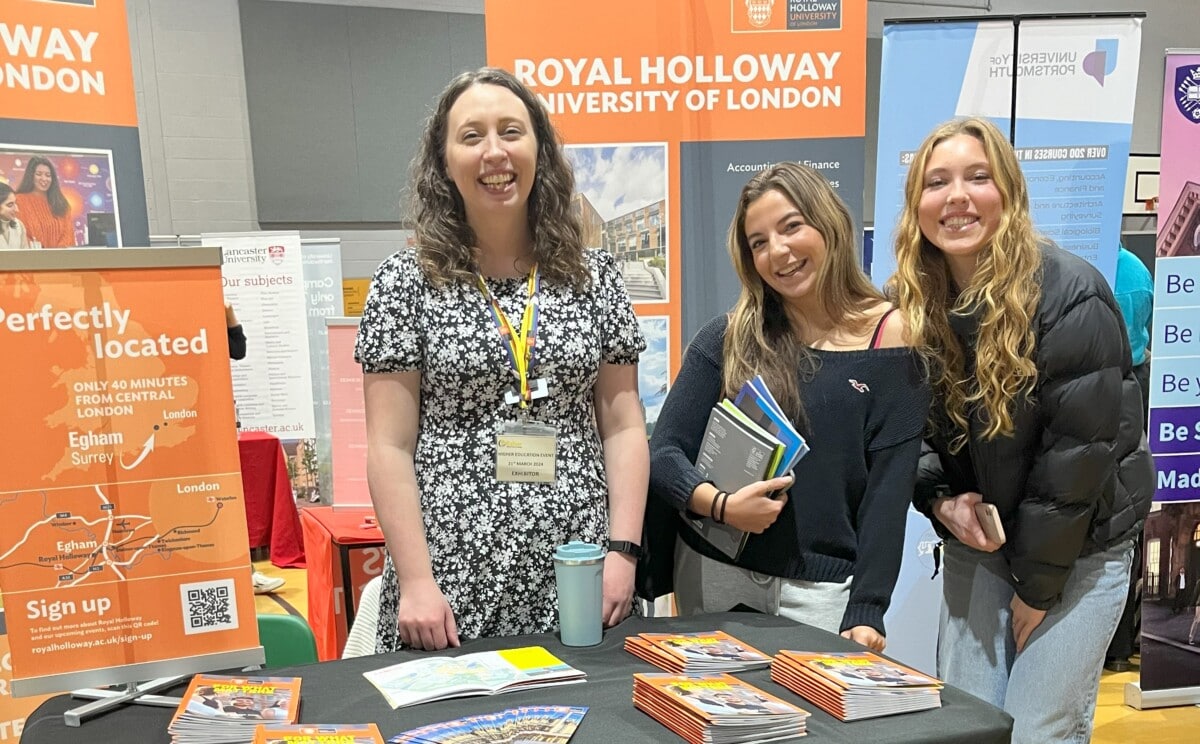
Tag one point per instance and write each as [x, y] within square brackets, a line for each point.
[759, 339]
[1005, 290]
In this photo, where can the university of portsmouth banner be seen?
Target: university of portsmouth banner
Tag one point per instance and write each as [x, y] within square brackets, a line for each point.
[1076, 80]
[669, 108]
[123, 548]
[1170, 618]
[66, 87]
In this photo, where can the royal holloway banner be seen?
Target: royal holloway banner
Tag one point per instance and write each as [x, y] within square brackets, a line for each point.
[1171, 574]
[66, 96]
[123, 548]
[1075, 85]
[668, 108]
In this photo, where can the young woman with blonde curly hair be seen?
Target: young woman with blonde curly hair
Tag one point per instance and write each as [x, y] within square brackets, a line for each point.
[835, 355]
[1036, 411]
[499, 330]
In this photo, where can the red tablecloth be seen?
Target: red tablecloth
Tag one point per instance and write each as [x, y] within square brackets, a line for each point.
[329, 534]
[271, 517]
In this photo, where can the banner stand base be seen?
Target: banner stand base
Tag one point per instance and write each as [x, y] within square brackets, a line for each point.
[1136, 698]
[138, 693]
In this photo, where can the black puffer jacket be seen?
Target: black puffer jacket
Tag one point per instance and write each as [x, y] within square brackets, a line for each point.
[1076, 475]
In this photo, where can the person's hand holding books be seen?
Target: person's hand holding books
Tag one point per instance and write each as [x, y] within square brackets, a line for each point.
[755, 507]
[752, 508]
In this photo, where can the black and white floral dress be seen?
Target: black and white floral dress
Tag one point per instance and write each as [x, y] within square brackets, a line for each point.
[491, 543]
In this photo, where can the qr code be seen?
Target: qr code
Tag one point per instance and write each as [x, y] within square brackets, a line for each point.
[208, 606]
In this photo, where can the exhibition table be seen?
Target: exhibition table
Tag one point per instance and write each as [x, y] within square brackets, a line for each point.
[271, 518]
[336, 692]
[343, 552]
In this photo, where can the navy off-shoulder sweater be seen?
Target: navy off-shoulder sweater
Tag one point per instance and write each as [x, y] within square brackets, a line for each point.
[845, 514]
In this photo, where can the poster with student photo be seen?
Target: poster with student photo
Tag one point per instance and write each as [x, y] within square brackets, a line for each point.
[621, 197]
[1170, 593]
[653, 372]
[85, 178]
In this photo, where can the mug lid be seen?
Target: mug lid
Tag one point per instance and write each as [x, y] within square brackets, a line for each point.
[578, 551]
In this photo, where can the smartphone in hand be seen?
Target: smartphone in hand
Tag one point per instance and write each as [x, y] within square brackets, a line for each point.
[989, 520]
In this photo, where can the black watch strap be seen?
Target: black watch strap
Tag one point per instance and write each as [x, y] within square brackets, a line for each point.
[625, 546]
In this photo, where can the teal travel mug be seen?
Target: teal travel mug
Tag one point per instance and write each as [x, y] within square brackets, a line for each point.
[579, 575]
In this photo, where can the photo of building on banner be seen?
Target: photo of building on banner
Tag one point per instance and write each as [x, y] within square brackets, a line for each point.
[1171, 558]
[702, 102]
[1075, 84]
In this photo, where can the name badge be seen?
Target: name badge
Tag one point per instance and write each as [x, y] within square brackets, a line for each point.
[537, 389]
[525, 453]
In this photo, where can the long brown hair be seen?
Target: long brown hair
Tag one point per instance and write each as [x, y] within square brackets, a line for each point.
[445, 241]
[760, 338]
[59, 206]
[1005, 290]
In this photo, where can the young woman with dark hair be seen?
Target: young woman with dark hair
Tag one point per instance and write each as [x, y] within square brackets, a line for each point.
[44, 209]
[498, 333]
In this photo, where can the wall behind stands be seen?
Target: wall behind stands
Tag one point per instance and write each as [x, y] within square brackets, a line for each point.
[284, 114]
[337, 97]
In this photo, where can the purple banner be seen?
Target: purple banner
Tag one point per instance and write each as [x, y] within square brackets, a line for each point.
[1171, 563]
[1174, 431]
[1177, 477]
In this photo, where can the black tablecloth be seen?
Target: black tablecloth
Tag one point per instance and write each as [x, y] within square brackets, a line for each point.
[336, 692]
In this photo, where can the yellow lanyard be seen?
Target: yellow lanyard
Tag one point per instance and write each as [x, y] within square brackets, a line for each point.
[520, 346]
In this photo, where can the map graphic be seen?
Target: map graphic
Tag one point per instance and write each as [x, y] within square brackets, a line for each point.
[79, 535]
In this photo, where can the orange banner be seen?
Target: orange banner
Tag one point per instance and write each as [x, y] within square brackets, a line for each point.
[667, 109]
[67, 61]
[684, 71]
[124, 531]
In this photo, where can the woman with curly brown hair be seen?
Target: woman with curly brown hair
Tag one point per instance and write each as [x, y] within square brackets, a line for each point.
[500, 361]
[1037, 412]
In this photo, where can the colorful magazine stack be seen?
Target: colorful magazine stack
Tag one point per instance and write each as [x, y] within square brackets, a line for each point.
[484, 673]
[696, 653]
[716, 709]
[553, 723]
[747, 439]
[323, 733]
[856, 685]
[220, 709]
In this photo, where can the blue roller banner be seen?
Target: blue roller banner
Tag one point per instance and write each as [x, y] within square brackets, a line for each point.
[1076, 81]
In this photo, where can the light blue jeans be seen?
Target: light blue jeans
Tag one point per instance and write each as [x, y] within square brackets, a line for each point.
[1050, 687]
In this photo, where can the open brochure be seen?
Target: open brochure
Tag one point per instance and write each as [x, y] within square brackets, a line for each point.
[530, 723]
[746, 440]
[484, 673]
[318, 733]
